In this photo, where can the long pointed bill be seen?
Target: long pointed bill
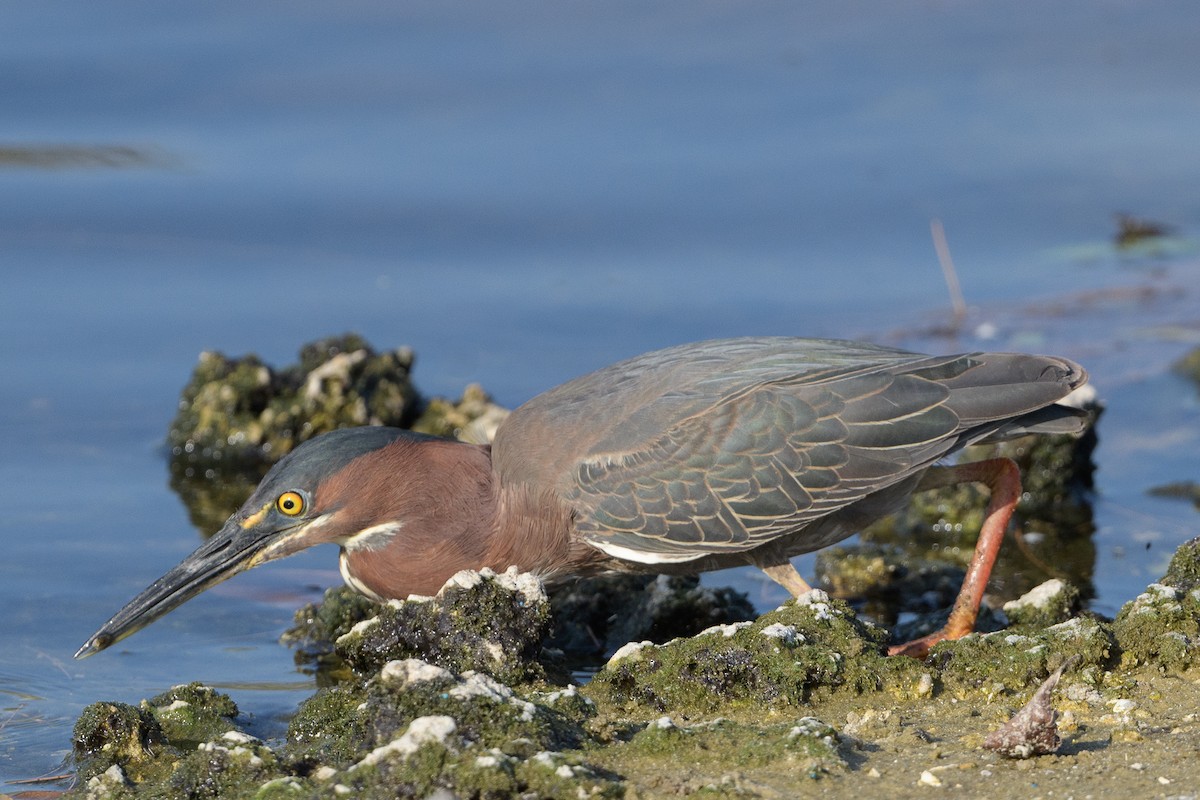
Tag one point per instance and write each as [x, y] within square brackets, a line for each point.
[231, 550]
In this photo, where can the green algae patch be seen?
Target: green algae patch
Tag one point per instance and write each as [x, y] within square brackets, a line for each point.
[485, 711]
[234, 765]
[419, 726]
[807, 744]
[480, 621]
[192, 713]
[809, 646]
[329, 728]
[1184, 570]
[1161, 626]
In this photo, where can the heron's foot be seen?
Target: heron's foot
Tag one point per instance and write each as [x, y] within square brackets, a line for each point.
[918, 648]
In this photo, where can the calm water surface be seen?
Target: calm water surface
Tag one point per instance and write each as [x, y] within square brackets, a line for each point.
[523, 194]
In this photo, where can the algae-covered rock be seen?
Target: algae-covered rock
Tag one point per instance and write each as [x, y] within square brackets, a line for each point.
[237, 416]
[192, 713]
[1005, 662]
[232, 765]
[480, 621]
[116, 734]
[484, 709]
[240, 410]
[810, 645]
[1161, 626]
[1184, 570]
[329, 728]
[474, 418]
[1044, 605]
[423, 726]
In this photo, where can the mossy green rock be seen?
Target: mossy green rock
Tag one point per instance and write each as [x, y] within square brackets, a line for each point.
[1160, 626]
[419, 726]
[1184, 570]
[807, 646]
[240, 410]
[232, 766]
[108, 734]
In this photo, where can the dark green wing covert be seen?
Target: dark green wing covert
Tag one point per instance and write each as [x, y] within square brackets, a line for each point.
[767, 459]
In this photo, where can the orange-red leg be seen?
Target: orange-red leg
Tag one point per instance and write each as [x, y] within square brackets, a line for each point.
[1003, 479]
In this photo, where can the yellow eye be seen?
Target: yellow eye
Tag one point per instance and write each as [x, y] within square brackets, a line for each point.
[290, 503]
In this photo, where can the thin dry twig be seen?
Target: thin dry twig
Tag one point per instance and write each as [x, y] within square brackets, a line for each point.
[948, 271]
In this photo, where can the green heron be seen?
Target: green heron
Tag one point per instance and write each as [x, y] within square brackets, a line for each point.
[693, 458]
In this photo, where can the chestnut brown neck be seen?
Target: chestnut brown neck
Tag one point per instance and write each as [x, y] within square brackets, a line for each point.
[450, 515]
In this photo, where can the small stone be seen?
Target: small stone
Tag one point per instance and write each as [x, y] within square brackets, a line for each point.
[929, 779]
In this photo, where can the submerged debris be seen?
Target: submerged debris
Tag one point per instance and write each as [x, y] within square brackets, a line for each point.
[1180, 490]
[1189, 366]
[1033, 731]
[1133, 231]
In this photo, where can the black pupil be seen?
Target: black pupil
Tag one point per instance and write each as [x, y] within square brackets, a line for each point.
[288, 504]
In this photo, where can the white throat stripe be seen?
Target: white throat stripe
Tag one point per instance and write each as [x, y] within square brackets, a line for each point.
[374, 537]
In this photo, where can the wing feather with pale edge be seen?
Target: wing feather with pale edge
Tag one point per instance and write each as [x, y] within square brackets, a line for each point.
[768, 459]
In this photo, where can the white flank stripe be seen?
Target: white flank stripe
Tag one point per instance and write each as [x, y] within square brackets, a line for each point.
[641, 557]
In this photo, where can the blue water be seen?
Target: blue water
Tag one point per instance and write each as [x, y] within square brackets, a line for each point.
[523, 194]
